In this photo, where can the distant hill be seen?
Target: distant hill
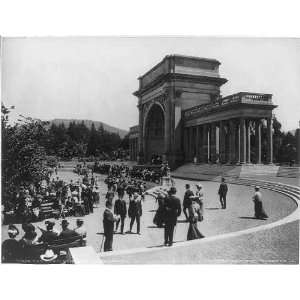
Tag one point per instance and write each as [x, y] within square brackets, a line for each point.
[88, 123]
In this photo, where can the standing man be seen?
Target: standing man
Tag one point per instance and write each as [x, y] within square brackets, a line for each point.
[135, 211]
[108, 224]
[172, 212]
[187, 201]
[120, 210]
[223, 189]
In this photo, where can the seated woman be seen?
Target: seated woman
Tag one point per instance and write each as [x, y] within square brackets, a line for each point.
[30, 253]
[11, 250]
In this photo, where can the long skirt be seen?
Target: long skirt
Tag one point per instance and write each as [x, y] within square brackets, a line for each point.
[193, 232]
[159, 217]
[259, 210]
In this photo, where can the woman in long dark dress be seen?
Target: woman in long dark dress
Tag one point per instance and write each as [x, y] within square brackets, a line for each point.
[259, 211]
[159, 215]
[194, 213]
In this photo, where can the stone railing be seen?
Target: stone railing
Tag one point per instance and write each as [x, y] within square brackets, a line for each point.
[242, 97]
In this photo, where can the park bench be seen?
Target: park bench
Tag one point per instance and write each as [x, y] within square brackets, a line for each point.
[47, 210]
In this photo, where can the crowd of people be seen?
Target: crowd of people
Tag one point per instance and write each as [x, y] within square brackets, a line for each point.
[55, 198]
[28, 247]
[79, 198]
[168, 211]
[140, 172]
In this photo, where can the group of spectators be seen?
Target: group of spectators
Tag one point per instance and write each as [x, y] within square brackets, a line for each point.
[27, 248]
[140, 172]
[55, 198]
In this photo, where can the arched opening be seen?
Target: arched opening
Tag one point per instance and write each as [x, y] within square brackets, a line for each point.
[154, 133]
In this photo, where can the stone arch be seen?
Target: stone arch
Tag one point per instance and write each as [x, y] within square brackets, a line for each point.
[154, 131]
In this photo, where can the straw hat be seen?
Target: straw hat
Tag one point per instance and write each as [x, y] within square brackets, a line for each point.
[48, 255]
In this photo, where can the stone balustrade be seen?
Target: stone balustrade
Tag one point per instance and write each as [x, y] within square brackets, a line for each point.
[242, 97]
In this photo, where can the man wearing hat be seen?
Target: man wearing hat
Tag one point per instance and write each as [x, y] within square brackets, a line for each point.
[223, 189]
[11, 249]
[48, 235]
[135, 211]
[108, 225]
[66, 232]
[172, 212]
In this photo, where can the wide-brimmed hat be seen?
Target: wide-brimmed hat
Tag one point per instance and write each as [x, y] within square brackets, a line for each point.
[48, 255]
[13, 230]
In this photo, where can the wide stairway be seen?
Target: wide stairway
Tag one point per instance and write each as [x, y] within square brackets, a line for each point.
[206, 171]
[289, 172]
[216, 171]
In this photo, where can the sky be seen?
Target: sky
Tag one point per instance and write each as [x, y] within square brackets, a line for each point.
[94, 77]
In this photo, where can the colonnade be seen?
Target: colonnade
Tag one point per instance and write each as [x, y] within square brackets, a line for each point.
[228, 141]
[133, 148]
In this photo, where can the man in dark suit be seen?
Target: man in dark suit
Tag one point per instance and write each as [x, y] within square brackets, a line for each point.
[48, 235]
[223, 189]
[66, 232]
[120, 210]
[172, 212]
[108, 224]
[135, 211]
[186, 200]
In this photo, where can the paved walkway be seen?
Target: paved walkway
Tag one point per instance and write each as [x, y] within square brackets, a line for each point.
[237, 216]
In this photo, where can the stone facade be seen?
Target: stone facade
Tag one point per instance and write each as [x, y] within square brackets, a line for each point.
[183, 117]
[133, 142]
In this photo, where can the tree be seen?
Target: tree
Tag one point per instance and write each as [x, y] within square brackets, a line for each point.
[23, 155]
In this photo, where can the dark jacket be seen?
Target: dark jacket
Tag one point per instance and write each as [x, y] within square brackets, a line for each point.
[48, 237]
[135, 208]
[172, 209]
[186, 200]
[11, 251]
[120, 208]
[223, 189]
[108, 222]
[67, 233]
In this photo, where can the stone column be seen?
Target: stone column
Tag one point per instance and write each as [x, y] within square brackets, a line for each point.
[222, 142]
[167, 129]
[258, 141]
[197, 146]
[190, 143]
[186, 143]
[204, 143]
[248, 142]
[213, 154]
[242, 141]
[232, 155]
[200, 145]
[270, 140]
[297, 134]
